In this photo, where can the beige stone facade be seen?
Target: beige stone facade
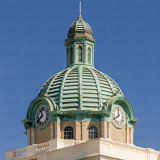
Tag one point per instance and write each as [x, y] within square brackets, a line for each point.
[43, 135]
[80, 129]
[97, 149]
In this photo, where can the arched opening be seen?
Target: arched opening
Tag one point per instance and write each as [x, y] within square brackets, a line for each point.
[79, 54]
[92, 132]
[68, 133]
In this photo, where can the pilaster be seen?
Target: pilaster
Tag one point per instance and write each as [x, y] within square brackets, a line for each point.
[85, 53]
[109, 129]
[51, 130]
[131, 135]
[75, 57]
[84, 128]
[57, 129]
[104, 129]
[78, 131]
[92, 55]
[32, 135]
[28, 137]
[127, 135]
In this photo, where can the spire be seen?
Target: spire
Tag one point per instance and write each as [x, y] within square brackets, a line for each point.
[79, 17]
[79, 8]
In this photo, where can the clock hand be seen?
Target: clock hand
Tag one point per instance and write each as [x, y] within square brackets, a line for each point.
[116, 117]
[41, 114]
[40, 117]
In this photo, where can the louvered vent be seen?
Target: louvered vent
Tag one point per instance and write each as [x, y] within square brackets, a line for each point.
[80, 88]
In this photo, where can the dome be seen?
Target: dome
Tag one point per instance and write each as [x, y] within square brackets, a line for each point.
[80, 28]
[80, 87]
[80, 25]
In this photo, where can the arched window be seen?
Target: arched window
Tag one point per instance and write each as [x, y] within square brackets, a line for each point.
[89, 55]
[68, 133]
[79, 54]
[92, 133]
[71, 55]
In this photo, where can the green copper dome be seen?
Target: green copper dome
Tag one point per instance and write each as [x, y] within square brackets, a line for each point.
[79, 93]
[80, 25]
[80, 87]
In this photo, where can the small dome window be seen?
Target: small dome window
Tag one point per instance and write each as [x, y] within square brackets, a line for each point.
[68, 133]
[79, 54]
[92, 132]
[71, 55]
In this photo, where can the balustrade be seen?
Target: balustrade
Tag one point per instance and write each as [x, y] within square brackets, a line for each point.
[42, 147]
[19, 152]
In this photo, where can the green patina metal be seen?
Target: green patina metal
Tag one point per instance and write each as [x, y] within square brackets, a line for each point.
[80, 87]
[80, 92]
[122, 101]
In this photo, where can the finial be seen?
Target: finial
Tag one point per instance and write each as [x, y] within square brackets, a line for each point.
[80, 17]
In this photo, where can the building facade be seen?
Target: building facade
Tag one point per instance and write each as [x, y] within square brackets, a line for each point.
[80, 112]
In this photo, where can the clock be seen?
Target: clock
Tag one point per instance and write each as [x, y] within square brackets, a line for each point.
[118, 116]
[42, 116]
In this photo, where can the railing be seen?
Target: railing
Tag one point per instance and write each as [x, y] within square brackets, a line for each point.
[37, 148]
[20, 152]
[42, 147]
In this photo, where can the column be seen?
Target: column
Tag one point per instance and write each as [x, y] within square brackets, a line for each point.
[78, 131]
[32, 135]
[131, 135]
[109, 130]
[104, 129]
[51, 130]
[67, 50]
[127, 135]
[93, 55]
[75, 60]
[57, 129]
[84, 128]
[28, 137]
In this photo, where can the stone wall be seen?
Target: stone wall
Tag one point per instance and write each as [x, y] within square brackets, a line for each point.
[123, 135]
[118, 135]
[43, 135]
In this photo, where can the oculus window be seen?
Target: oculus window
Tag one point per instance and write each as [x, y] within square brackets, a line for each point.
[68, 133]
[93, 132]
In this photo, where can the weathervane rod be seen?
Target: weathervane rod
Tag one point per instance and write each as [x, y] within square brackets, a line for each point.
[79, 8]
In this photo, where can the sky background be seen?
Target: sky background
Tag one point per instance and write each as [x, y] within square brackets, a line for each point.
[32, 50]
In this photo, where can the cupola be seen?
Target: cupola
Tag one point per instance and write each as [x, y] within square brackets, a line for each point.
[80, 43]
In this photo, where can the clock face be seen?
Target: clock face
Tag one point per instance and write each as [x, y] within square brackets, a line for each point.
[118, 116]
[42, 116]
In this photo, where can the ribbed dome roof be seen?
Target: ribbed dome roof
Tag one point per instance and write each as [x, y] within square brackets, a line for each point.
[80, 25]
[80, 87]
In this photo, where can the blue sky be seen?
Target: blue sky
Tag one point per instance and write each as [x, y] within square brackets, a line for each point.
[32, 49]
